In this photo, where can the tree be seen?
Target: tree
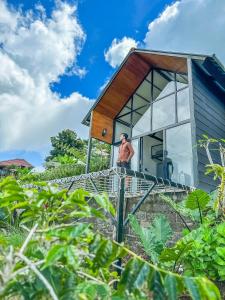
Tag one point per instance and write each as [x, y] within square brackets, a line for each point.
[66, 143]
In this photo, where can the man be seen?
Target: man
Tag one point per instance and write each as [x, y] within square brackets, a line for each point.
[126, 152]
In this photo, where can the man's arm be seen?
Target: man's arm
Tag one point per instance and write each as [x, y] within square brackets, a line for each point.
[131, 151]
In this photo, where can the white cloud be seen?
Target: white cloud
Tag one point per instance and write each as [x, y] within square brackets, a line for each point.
[35, 51]
[195, 26]
[118, 50]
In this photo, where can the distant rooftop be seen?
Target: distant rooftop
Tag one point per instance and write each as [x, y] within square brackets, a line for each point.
[16, 162]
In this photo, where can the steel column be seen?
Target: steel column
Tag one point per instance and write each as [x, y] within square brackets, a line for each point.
[120, 207]
[87, 168]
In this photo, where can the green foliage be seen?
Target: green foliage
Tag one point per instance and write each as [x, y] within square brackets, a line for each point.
[198, 199]
[153, 238]
[58, 254]
[180, 208]
[201, 253]
[68, 158]
[63, 144]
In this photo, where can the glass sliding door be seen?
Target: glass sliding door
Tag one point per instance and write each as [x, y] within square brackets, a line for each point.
[135, 161]
[115, 155]
[179, 152]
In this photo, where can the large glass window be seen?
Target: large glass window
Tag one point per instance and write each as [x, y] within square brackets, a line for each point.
[115, 155]
[161, 100]
[163, 112]
[181, 81]
[179, 152]
[183, 108]
[135, 158]
[143, 123]
[144, 90]
[121, 128]
[163, 83]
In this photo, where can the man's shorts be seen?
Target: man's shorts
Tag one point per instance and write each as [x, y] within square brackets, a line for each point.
[124, 164]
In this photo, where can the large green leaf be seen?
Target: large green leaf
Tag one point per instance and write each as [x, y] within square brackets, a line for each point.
[192, 288]
[104, 202]
[134, 276]
[54, 254]
[171, 287]
[197, 199]
[154, 237]
[156, 285]
[208, 290]
[221, 229]
[161, 228]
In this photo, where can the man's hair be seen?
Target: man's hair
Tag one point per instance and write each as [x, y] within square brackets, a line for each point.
[125, 135]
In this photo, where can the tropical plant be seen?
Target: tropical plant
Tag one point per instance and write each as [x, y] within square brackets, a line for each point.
[57, 254]
[213, 146]
[153, 238]
[201, 252]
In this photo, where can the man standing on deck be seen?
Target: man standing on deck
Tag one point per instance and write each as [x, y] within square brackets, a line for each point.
[126, 152]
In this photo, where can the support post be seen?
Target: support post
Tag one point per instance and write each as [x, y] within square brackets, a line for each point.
[120, 227]
[87, 168]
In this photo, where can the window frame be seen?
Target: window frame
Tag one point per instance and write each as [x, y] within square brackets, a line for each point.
[152, 86]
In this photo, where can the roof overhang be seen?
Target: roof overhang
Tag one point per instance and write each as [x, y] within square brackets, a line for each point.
[136, 65]
[132, 71]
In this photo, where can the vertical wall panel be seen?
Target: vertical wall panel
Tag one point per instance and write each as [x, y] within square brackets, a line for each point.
[209, 112]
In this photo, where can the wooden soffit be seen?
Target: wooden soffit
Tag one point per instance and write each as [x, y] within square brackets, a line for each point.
[130, 75]
[100, 122]
[123, 86]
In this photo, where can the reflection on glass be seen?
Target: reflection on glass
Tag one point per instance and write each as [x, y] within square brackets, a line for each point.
[129, 103]
[124, 111]
[121, 128]
[135, 158]
[168, 89]
[149, 77]
[144, 90]
[183, 107]
[163, 112]
[138, 102]
[126, 118]
[165, 82]
[179, 151]
[182, 81]
[115, 155]
[143, 125]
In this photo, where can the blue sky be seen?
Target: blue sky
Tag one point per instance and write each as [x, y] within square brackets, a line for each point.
[57, 55]
[102, 21]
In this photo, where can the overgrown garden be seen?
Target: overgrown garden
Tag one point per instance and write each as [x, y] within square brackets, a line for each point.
[50, 249]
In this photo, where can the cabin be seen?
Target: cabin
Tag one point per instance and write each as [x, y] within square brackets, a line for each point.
[165, 102]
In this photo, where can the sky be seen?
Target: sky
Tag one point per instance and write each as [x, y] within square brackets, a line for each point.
[57, 56]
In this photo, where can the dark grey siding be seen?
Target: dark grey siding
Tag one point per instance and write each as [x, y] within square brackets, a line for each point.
[209, 113]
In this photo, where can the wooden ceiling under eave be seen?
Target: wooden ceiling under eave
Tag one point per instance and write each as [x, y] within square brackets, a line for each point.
[125, 83]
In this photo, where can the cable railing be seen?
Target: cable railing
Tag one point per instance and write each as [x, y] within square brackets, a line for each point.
[108, 181]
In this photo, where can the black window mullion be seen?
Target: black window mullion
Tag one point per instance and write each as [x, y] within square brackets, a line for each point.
[131, 117]
[175, 86]
[151, 101]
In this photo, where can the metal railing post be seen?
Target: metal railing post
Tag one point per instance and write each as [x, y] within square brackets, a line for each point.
[120, 207]
[87, 168]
